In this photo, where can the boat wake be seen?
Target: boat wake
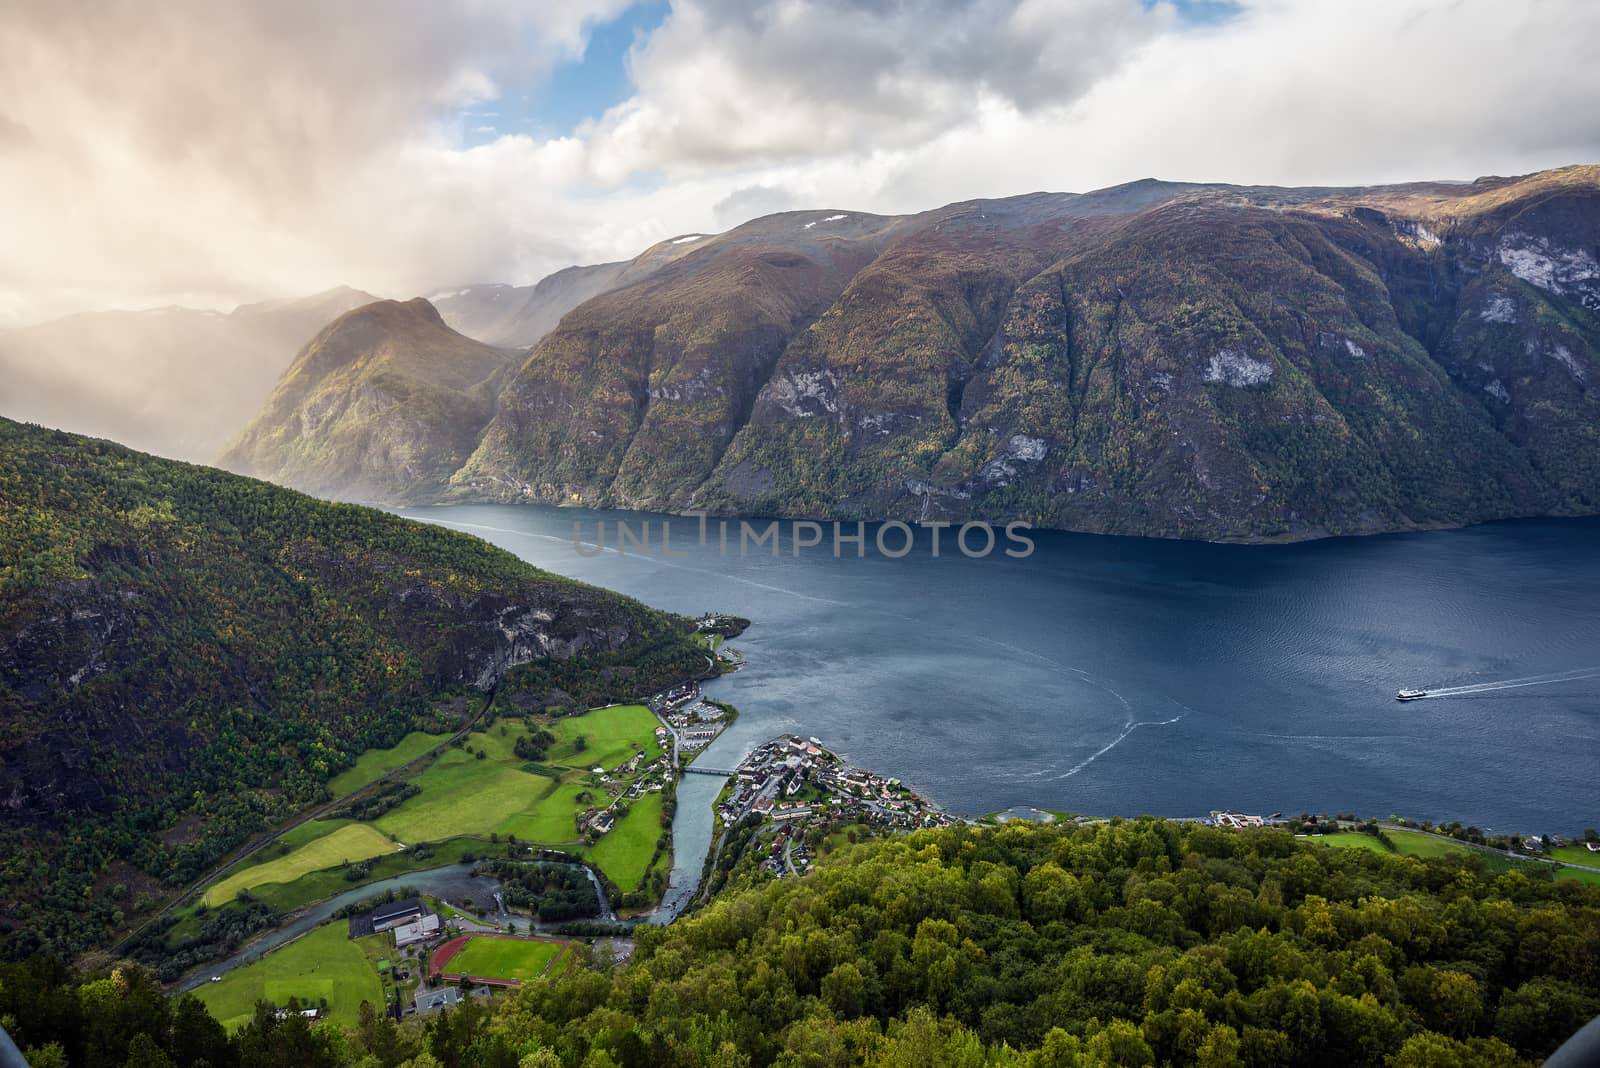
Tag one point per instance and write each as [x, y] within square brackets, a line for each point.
[1575, 675]
[1085, 677]
[1113, 743]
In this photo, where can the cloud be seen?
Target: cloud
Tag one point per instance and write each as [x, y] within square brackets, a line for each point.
[752, 202]
[214, 152]
[731, 81]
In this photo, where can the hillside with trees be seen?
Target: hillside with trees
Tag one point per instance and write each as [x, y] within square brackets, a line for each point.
[1124, 943]
[187, 657]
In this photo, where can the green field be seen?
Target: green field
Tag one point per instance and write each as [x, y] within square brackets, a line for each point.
[1417, 844]
[463, 801]
[323, 964]
[1350, 840]
[377, 762]
[611, 736]
[320, 885]
[351, 842]
[462, 794]
[1422, 846]
[1576, 854]
[625, 853]
[504, 958]
[296, 837]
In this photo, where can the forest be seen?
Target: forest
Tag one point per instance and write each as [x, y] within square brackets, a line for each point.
[1139, 942]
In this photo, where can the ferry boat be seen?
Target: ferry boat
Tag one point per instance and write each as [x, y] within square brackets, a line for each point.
[1410, 695]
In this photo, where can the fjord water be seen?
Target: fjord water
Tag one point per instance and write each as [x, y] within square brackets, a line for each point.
[1127, 675]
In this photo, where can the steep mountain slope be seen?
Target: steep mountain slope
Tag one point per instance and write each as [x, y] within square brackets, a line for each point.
[186, 656]
[1191, 361]
[384, 404]
[174, 381]
[1168, 359]
[638, 391]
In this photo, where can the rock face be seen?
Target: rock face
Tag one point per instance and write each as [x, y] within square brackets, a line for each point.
[384, 404]
[1176, 360]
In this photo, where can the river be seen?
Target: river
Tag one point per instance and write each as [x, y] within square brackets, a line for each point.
[1125, 675]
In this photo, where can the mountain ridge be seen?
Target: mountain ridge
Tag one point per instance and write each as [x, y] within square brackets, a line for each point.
[1173, 359]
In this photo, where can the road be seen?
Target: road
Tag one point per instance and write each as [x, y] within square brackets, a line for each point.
[676, 760]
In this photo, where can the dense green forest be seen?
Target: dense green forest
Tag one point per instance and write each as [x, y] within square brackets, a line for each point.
[186, 657]
[1125, 943]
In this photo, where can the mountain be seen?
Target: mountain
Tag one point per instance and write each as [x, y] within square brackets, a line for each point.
[187, 656]
[1172, 359]
[383, 404]
[173, 381]
[519, 316]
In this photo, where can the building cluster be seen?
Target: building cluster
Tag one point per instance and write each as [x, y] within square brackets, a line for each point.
[628, 781]
[697, 724]
[687, 717]
[790, 778]
[1240, 820]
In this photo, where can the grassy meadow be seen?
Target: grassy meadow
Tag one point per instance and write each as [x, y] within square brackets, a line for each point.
[353, 842]
[466, 799]
[322, 964]
[375, 763]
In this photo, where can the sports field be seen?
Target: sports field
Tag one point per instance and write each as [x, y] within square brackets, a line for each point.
[323, 964]
[495, 957]
[351, 842]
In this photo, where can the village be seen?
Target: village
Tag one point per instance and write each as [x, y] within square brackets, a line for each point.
[688, 723]
[688, 719]
[791, 781]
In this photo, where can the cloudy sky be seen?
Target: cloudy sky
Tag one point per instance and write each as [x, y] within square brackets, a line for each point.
[207, 152]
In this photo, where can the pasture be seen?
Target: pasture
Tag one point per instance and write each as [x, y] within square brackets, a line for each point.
[324, 964]
[353, 842]
[375, 763]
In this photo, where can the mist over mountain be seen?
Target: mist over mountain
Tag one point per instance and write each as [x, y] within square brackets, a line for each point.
[385, 402]
[1157, 358]
[178, 382]
[520, 316]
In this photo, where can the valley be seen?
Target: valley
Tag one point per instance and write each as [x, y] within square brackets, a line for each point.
[800, 534]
